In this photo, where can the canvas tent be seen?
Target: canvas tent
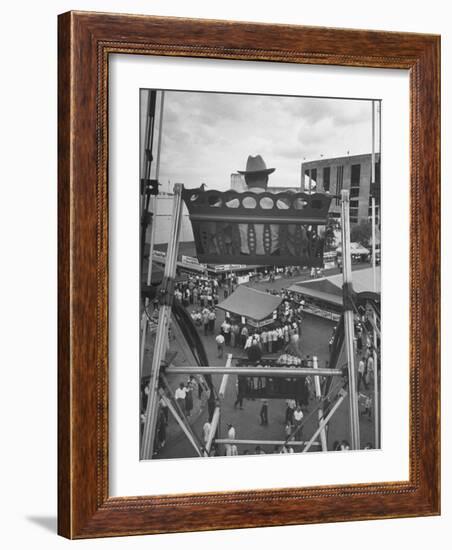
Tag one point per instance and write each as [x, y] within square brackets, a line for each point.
[250, 303]
[329, 289]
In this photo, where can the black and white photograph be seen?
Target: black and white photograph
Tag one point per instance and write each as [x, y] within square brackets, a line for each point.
[260, 284]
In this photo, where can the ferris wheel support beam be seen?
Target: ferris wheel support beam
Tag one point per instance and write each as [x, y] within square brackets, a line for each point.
[272, 442]
[318, 394]
[281, 372]
[213, 427]
[325, 421]
[182, 425]
[376, 389]
[151, 206]
[215, 422]
[161, 339]
[349, 327]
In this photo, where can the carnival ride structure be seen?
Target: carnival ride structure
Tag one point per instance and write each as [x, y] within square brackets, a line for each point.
[249, 229]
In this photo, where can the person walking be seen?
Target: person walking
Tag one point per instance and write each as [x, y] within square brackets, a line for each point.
[226, 329]
[291, 406]
[298, 420]
[180, 395]
[232, 336]
[212, 319]
[244, 335]
[231, 435]
[241, 387]
[264, 341]
[205, 320]
[189, 397]
[361, 371]
[164, 409]
[264, 412]
[366, 402]
[220, 345]
[161, 430]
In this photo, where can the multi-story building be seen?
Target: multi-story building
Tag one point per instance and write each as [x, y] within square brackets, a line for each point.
[350, 172]
[238, 184]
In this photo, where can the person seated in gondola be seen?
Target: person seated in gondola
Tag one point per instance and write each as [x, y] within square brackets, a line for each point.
[260, 239]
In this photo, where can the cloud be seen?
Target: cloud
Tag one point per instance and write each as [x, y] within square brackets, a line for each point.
[207, 136]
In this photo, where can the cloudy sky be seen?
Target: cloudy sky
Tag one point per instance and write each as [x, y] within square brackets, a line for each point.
[207, 136]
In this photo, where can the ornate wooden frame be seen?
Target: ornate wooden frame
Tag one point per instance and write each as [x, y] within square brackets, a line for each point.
[85, 42]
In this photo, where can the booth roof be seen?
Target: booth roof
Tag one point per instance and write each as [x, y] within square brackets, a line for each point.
[362, 279]
[255, 304]
[329, 289]
[322, 289]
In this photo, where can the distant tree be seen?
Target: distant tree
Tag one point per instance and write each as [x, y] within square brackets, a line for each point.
[361, 233]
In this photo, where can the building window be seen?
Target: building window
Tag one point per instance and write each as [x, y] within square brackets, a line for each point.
[356, 175]
[312, 175]
[354, 204]
[326, 178]
[355, 180]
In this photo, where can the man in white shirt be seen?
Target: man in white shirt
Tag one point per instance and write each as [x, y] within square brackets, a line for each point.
[264, 340]
[298, 419]
[180, 395]
[231, 435]
[249, 342]
[280, 338]
[220, 345]
[226, 329]
[361, 371]
[231, 431]
[244, 335]
[290, 409]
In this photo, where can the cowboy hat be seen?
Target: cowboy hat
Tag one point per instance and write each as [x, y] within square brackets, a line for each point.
[256, 165]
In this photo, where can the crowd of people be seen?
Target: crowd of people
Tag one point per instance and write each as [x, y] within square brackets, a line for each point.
[284, 329]
[201, 294]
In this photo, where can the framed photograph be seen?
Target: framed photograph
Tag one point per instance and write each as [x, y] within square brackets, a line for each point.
[248, 275]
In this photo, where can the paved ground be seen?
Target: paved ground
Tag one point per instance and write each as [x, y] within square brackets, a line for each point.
[315, 335]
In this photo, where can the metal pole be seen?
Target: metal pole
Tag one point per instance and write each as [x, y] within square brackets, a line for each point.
[148, 138]
[263, 442]
[374, 263]
[373, 322]
[376, 388]
[216, 414]
[283, 372]
[152, 206]
[163, 325]
[348, 318]
[224, 381]
[153, 203]
[213, 428]
[325, 421]
[182, 425]
[374, 276]
[318, 394]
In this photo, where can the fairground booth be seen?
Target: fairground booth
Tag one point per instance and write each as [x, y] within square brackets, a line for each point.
[324, 297]
[251, 307]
